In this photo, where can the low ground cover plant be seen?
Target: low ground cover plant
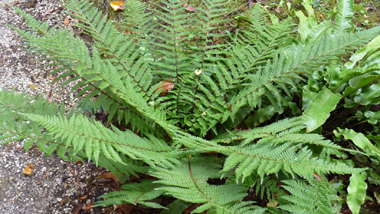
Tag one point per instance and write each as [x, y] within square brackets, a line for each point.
[219, 106]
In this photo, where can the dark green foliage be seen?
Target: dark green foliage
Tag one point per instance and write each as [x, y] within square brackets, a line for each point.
[223, 70]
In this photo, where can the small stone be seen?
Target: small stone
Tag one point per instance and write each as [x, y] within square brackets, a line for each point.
[59, 199]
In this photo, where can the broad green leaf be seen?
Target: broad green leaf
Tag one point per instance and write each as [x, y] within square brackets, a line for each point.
[318, 31]
[260, 116]
[305, 25]
[344, 16]
[319, 110]
[372, 116]
[359, 140]
[369, 95]
[360, 82]
[359, 55]
[356, 191]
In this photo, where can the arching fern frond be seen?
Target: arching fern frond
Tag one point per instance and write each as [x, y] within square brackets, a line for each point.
[92, 137]
[269, 151]
[16, 127]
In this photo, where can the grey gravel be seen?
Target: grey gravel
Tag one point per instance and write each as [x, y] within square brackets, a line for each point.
[55, 186]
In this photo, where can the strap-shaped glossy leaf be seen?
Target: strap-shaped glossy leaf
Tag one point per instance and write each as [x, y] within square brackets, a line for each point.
[359, 140]
[320, 108]
[356, 191]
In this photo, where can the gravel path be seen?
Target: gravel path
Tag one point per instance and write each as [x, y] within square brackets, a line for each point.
[55, 186]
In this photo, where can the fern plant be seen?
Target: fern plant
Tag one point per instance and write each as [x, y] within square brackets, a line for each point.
[178, 87]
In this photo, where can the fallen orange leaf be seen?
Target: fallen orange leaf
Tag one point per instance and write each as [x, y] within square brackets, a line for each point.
[117, 5]
[66, 21]
[28, 170]
[82, 198]
[109, 175]
[190, 8]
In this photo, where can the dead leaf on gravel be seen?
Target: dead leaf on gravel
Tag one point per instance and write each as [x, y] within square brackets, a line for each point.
[87, 206]
[29, 169]
[190, 8]
[49, 11]
[117, 5]
[82, 198]
[109, 175]
[66, 21]
[77, 208]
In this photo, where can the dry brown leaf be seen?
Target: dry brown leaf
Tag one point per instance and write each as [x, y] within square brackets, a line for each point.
[29, 169]
[49, 11]
[77, 208]
[66, 21]
[117, 5]
[109, 175]
[50, 99]
[166, 86]
[51, 77]
[272, 203]
[190, 8]
[82, 198]
[318, 177]
[87, 206]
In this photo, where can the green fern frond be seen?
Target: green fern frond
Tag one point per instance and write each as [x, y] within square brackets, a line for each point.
[313, 196]
[234, 72]
[344, 16]
[94, 138]
[99, 75]
[289, 65]
[189, 182]
[134, 193]
[271, 158]
[16, 127]
[120, 170]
